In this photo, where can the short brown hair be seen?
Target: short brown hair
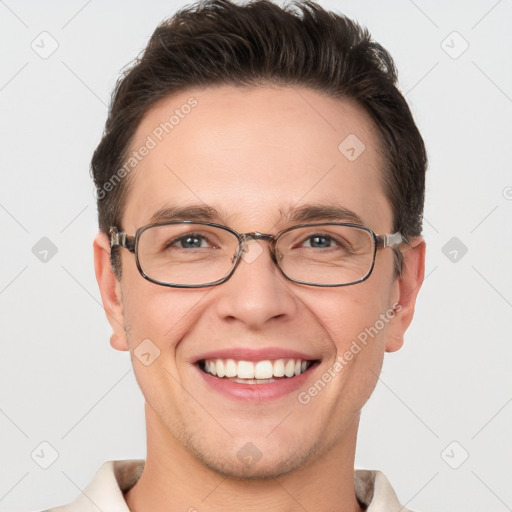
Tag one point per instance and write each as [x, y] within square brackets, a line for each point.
[217, 42]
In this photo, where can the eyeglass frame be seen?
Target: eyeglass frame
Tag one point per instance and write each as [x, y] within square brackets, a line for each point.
[130, 242]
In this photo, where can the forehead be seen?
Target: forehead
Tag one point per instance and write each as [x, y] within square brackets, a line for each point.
[255, 153]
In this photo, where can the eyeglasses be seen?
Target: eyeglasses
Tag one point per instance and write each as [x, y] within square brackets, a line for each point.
[189, 254]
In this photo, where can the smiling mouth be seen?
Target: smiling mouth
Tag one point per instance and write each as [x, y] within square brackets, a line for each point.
[255, 372]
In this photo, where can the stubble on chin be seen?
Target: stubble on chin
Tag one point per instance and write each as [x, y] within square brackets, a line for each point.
[227, 461]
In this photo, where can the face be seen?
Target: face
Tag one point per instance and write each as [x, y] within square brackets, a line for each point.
[258, 159]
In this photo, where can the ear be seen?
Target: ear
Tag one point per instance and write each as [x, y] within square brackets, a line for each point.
[407, 287]
[110, 290]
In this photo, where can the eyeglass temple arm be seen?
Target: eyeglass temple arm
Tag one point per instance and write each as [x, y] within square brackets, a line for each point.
[121, 239]
[390, 240]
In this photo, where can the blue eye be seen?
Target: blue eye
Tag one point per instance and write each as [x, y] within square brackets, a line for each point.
[188, 241]
[319, 241]
[191, 242]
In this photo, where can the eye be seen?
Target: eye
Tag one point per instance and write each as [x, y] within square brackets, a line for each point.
[190, 241]
[325, 241]
[319, 241]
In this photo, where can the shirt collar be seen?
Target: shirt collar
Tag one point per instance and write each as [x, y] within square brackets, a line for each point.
[105, 491]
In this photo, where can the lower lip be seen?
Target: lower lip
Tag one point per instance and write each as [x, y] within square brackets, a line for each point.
[257, 392]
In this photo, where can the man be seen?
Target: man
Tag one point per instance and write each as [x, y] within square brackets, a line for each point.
[260, 193]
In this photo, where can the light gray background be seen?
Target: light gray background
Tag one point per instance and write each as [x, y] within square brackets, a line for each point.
[62, 383]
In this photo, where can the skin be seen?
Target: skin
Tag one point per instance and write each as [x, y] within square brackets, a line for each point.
[251, 154]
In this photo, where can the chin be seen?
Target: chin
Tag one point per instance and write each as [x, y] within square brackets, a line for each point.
[250, 463]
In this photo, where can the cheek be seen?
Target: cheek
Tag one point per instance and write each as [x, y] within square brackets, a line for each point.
[156, 320]
[348, 313]
[160, 314]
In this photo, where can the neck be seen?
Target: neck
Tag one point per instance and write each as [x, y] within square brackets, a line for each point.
[174, 480]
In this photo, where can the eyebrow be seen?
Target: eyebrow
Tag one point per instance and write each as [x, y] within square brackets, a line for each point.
[192, 212]
[304, 213]
[321, 212]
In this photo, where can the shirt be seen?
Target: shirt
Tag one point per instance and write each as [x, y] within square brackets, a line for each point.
[105, 491]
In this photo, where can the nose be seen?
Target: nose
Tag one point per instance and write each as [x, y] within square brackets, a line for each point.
[257, 293]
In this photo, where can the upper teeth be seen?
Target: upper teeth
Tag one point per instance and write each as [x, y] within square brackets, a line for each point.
[255, 370]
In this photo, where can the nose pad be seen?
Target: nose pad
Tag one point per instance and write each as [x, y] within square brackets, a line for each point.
[252, 251]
